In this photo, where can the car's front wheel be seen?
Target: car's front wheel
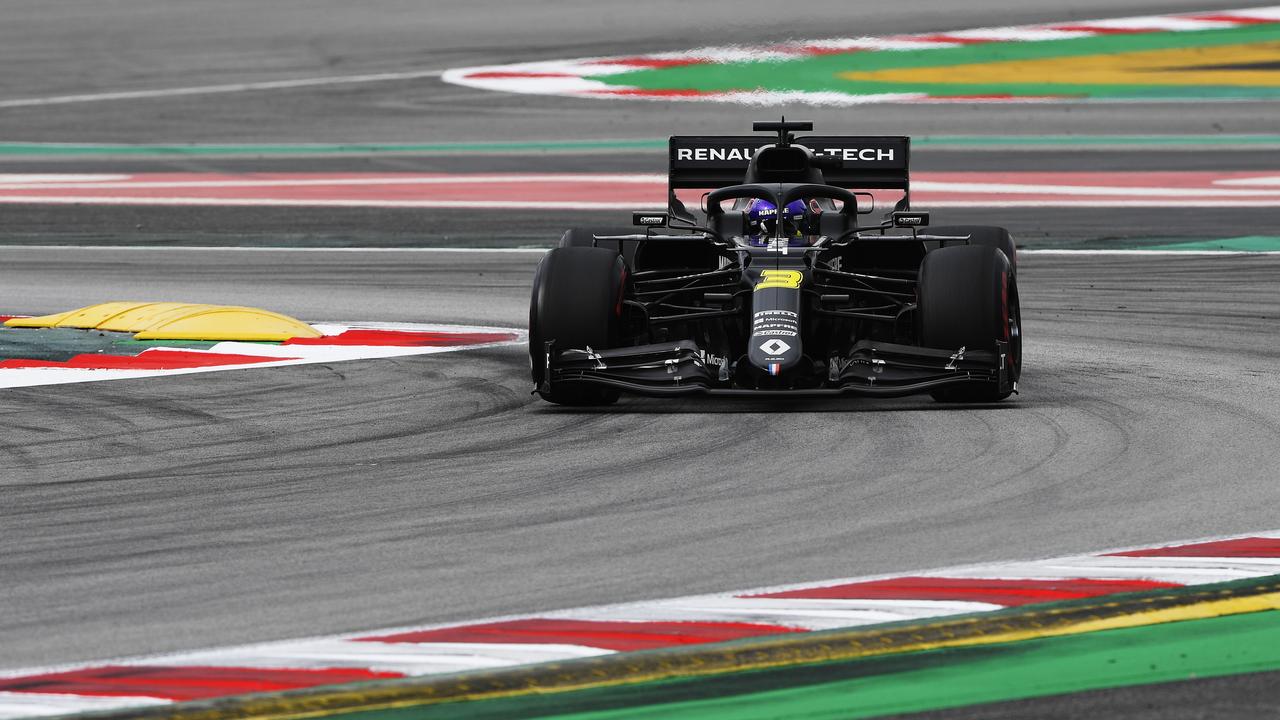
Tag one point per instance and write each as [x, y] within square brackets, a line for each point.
[968, 297]
[576, 303]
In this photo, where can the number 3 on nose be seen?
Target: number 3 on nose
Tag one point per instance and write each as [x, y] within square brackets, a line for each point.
[779, 279]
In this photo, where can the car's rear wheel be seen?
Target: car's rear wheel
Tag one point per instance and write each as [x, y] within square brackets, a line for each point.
[576, 303]
[968, 297]
[985, 235]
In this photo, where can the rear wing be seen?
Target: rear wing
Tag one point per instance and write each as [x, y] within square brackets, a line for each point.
[867, 162]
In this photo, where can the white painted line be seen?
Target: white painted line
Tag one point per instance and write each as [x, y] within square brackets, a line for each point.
[1250, 199]
[1102, 191]
[233, 248]
[44, 182]
[1136, 203]
[1157, 253]
[289, 202]
[1265, 181]
[220, 89]
[543, 250]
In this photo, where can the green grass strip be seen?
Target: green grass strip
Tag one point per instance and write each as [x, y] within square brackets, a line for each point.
[1248, 243]
[915, 682]
[822, 73]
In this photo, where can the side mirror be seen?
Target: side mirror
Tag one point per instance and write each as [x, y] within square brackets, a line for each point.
[649, 219]
[910, 219]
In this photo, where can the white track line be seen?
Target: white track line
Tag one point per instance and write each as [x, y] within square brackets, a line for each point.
[47, 182]
[284, 202]
[543, 250]
[232, 248]
[219, 89]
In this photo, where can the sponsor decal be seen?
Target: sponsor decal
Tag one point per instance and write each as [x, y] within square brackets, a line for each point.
[715, 153]
[783, 323]
[858, 154]
[787, 279]
[774, 347]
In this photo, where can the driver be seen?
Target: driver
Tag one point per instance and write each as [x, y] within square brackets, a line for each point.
[798, 220]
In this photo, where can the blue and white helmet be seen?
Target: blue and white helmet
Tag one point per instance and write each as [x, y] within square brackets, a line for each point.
[762, 218]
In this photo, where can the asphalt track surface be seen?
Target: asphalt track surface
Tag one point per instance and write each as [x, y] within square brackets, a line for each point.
[153, 515]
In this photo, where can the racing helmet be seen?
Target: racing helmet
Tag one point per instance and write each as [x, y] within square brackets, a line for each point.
[762, 219]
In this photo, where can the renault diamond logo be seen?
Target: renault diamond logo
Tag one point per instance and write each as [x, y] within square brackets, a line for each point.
[775, 347]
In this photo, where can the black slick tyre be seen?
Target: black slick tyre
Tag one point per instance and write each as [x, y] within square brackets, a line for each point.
[576, 303]
[985, 235]
[968, 297]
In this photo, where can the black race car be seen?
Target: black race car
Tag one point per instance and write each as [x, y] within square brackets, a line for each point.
[685, 306]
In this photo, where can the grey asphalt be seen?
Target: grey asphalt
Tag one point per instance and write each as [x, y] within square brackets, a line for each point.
[144, 516]
[1069, 227]
[55, 48]
[154, 515]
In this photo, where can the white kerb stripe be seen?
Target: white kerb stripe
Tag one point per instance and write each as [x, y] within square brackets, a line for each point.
[1262, 13]
[1183, 571]
[810, 614]
[23, 705]
[404, 658]
[1025, 34]
[1158, 22]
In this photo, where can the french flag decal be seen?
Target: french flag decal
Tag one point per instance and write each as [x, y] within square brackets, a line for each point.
[775, 368]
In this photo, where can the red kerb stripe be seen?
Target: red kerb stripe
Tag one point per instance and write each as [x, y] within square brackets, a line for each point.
[1240, 19]
[950, 39]
[620, 636]
[183, 683]
[989, 590]
[1259, 547]
[404, 338]
[640, 92]
[149, 360]
[1100, 30]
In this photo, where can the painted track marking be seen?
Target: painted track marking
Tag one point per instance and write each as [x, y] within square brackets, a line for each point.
[600, 630]
[381, 340]
[219, 89]
[928, 77]
[604, 191]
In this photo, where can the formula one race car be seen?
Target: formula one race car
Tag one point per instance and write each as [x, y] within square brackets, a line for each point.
[778, 290]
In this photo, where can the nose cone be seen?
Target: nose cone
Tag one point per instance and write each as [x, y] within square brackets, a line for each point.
[775, 321]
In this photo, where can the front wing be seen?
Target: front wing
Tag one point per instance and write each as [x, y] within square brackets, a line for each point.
[871, 368]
